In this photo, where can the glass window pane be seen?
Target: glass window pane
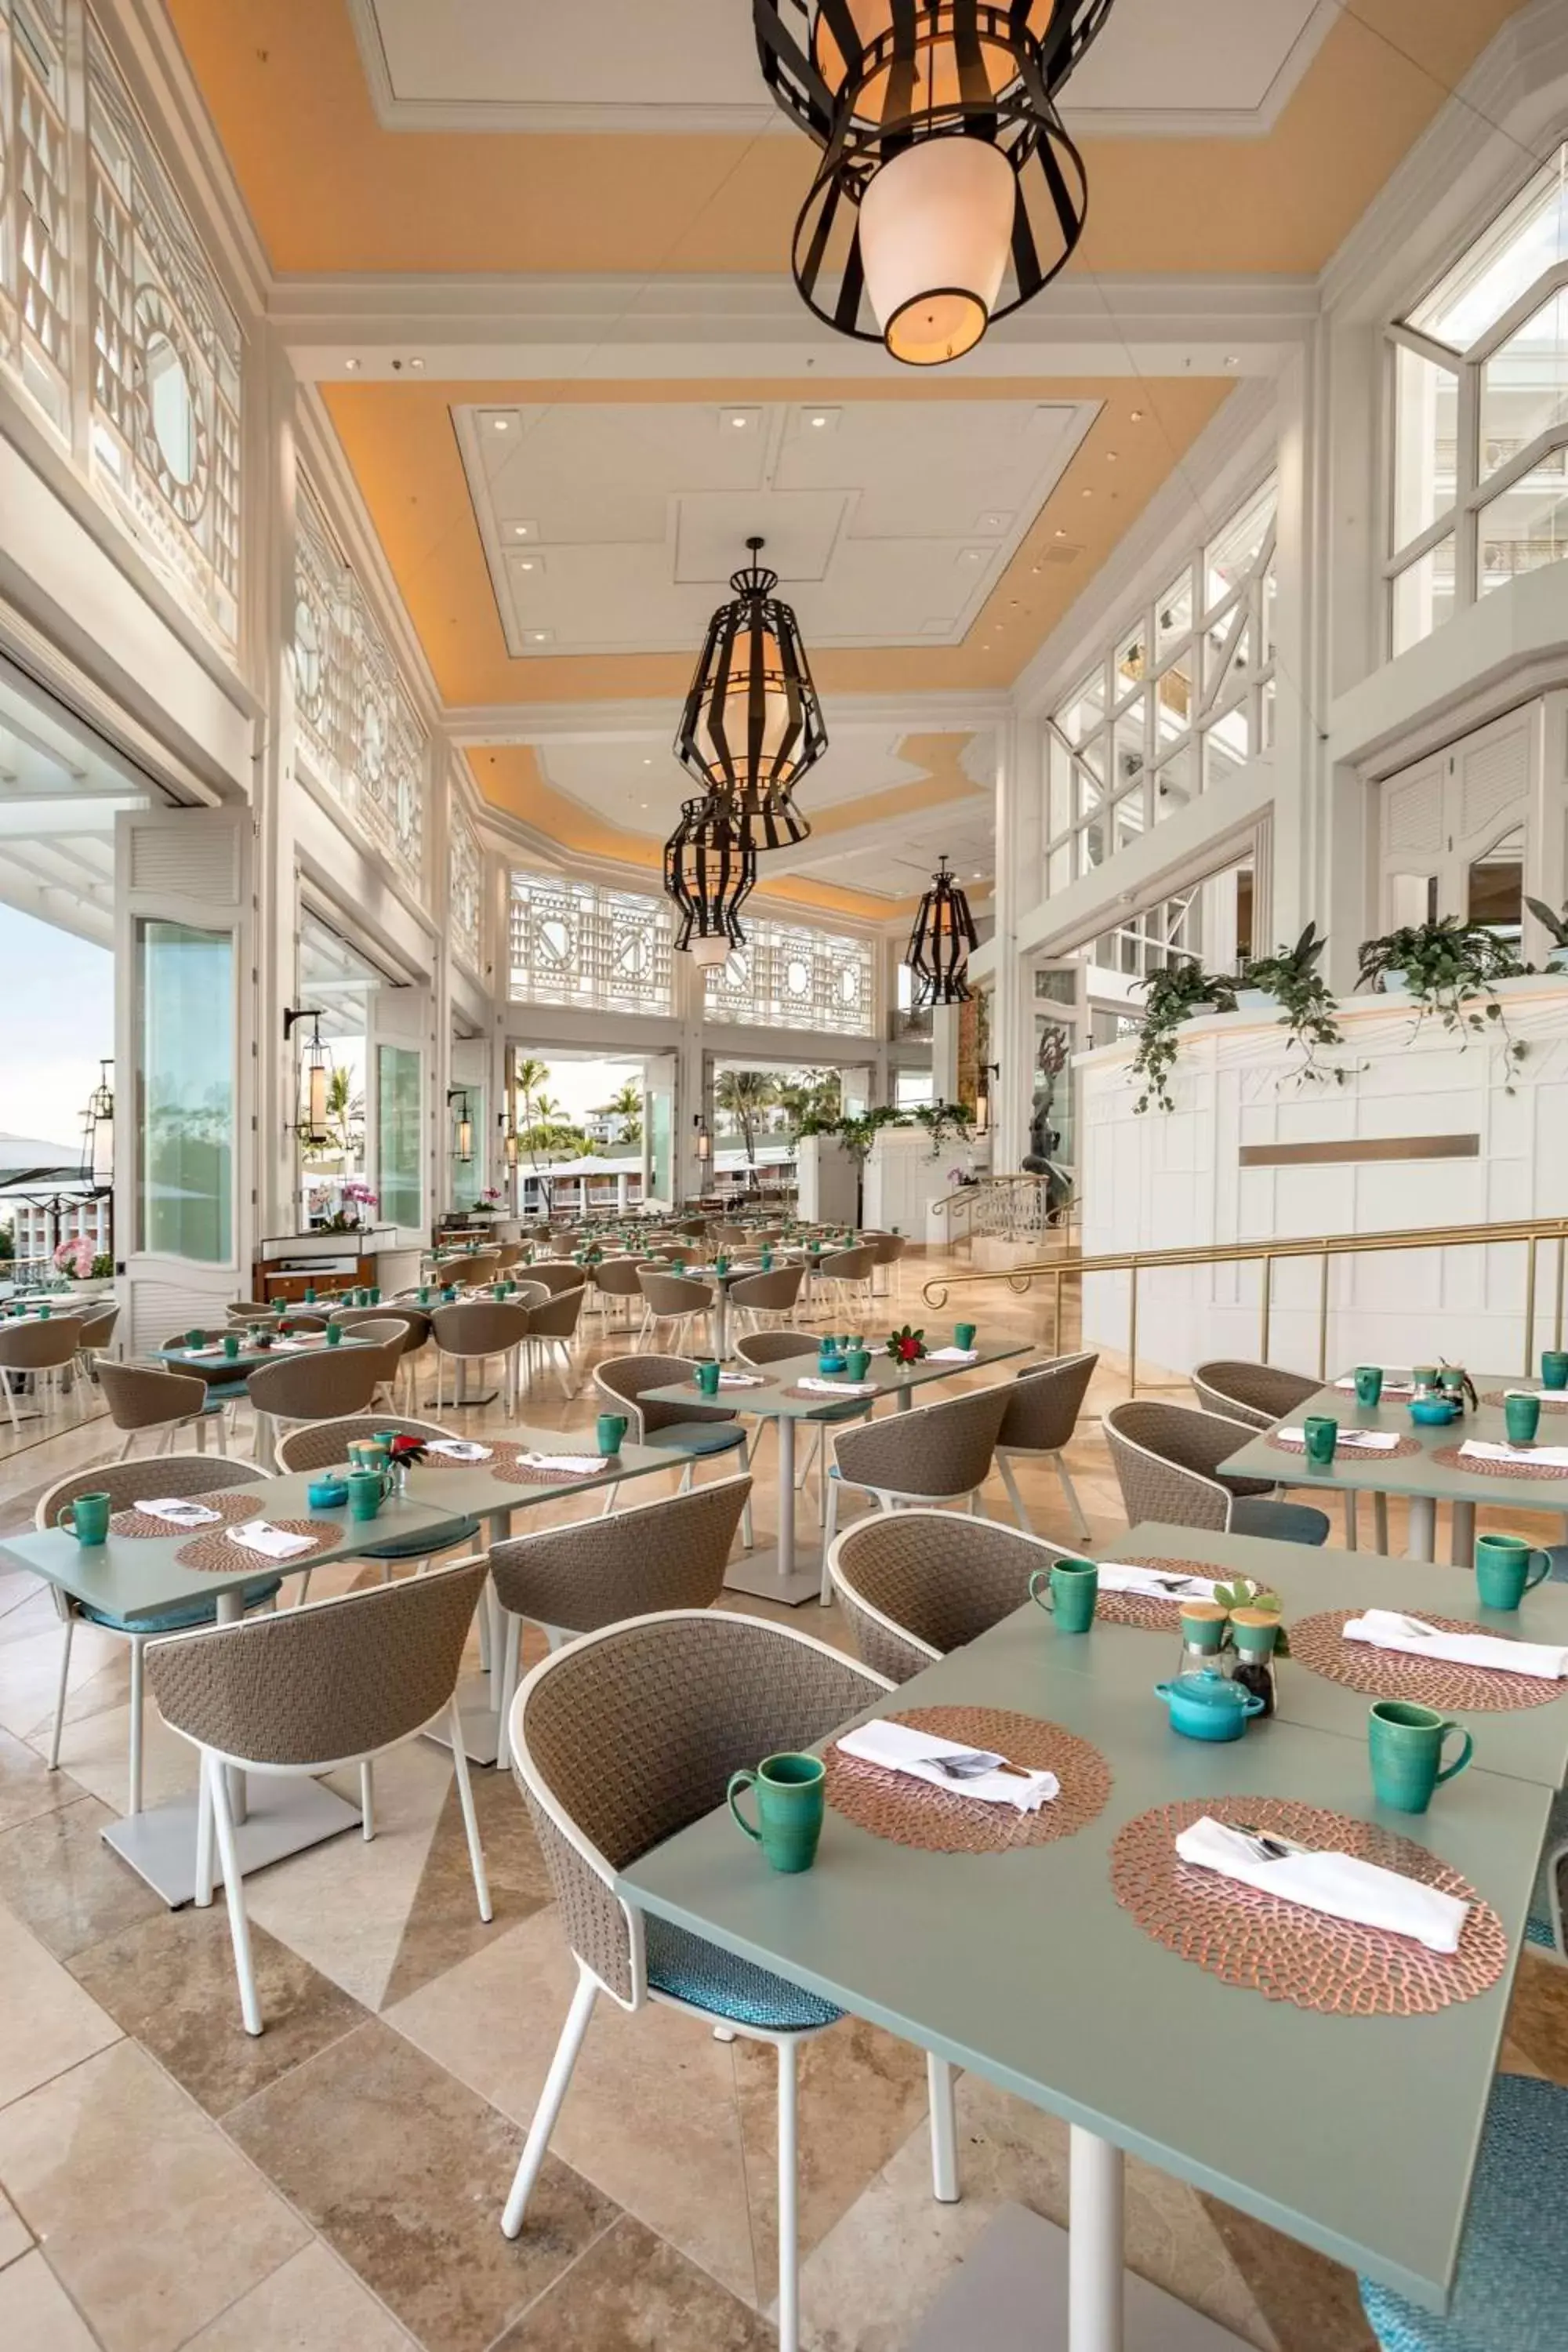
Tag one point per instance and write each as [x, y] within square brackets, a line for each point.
[1230, 557]
[1131, 662]
[1084, 710]
[1174, 783]
[1174, 613]
[1090, 791]
[185, 1143]
[1091, 845]
[1425, 444]
[1093, 755]
[1269, 716]
[1127, 821]
[1523, 530]
[1173, 700]
[1424, 596]
[1061, 793]
[1496, 887]
[1227, 746]
[1524, 385]
[1128, 753]
[398, 1091]
[1524, 241]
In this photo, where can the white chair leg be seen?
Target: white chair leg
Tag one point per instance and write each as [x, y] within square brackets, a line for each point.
[943, 2129]
[470, 1819]
[367, 1797]
[124, 1452]
[1379, 1524]
[688, 1475]
[789, 2218]
[137, 1713]
[551, 2100]
[234, 1889]
[976, 1504]
[512, 1646]
[611, 1491]
[203, 1838]
[830, 1525]
[484, 1621]
[220, 1431]
[1351, 1544]
[1009, 1480]
[1080, 1524]
[60, 1695]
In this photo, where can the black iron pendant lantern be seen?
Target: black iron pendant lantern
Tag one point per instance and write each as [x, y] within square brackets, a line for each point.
[949, 192]
[752, 724]
[941, 942]
[709, 876]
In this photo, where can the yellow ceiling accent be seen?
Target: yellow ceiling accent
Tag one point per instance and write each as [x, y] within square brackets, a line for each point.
[400, 441]
[329, 190]
[510, 779]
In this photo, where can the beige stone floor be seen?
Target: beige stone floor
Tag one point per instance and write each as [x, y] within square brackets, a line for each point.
[166, 2181]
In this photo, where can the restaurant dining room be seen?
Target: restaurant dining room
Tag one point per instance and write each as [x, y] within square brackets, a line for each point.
[783, 1279]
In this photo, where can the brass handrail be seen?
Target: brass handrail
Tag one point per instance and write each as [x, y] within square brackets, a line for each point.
[1532, 1231]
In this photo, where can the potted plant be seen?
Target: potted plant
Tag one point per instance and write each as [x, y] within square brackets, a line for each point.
[1291, 979]
[487, 1204]
[1176, 993]
[1450, 967]
[80, 1264]
[349, 1216]
[1558, 927]
[906, 1345]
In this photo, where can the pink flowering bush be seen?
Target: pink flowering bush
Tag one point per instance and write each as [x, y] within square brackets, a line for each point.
[76, 1258]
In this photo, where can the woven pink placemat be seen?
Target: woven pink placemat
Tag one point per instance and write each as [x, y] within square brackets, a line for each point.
[215, 1555]
[231, 1507]
[1319, 1644]
[1406, 1447]
[1141, 1609]
[1553, 1403]
[914, 1813]
[1282, 1950]
[1450, 1458]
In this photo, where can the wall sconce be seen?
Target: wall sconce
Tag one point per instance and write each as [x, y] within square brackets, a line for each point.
[318, 1063]
[983, 1076]
[704, 1140]
[464, 1149]
[98, 1133]
[508, 1138]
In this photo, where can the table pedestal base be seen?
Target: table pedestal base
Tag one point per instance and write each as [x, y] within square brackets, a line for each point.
[1011, 2295]
[764, 1575]
[477, 1707]
[282, 1817]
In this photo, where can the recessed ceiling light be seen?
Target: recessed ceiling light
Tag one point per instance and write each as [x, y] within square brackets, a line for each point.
[523, 530]
[500, 424]
[973, 554]
[822, 420]
[647, 763]
[418, 366]
[739, 420]
[537, 636]
[1231, 360]
[350, 366]
[1137, 416]
[530, 563]
[1110, 456]
[1085, 494]
[994, 521]
[1061, 532]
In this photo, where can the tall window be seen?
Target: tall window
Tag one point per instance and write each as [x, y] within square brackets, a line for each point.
[465, 875]
[1479, 461]
[1178, 703]
[184, 1133]
[788, 976]
[400, 1194]
[576, 943]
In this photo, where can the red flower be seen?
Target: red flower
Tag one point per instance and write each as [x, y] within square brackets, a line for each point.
[407, 1448]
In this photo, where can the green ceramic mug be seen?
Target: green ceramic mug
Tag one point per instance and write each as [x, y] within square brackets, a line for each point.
[1407, 1747]
[1322, 1432]
[1522, 1419]
[858, 1363]
[791, 1793]
[1424, 1377]
[610, 1432]
[231, 1345]
[1074, 1590]
[963, 1335]
[1554, 1369]
[1368, 1383]
[87, 1519]
[366, 1488]
[708, 1379]
[1502, 1570]
[334, 1335]
[193, 1338]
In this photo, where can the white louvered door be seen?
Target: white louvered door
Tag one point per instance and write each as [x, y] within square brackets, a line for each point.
[1458, 829]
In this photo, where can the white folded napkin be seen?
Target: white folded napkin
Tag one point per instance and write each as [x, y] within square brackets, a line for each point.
[836, 1388]
[901, 1748]
[741, 1381]
[583, 1463]
[1390, 1388]
[1357, 1440]
[306, 1340]
[1340, 1884]
[1554, 1457]
[193, 1354]
[952, 1355]
[181, 1512]
[272, 1543]
[458, 1449]
[1157, 1582]
[1385, 1629]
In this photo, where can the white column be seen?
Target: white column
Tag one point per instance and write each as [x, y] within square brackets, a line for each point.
[271, 464]
[944, 1053]
[1020, 885]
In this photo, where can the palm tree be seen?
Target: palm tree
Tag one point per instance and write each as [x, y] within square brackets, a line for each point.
[625, 1106]
[745, 1096]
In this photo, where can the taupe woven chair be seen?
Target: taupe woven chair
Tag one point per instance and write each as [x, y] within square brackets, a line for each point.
[508, 1254]
[766, 1351]
[1261, 1394]
[777, 1293]
[674, 1299]
[666, 1555]
[323, 1386]
[141, 1397]
[890, 1249]
[309, 1692]
[939, 1455]
[1043, 1407]
[324, 1445]
[97, 1332]
[126, 1483]
[471, 1332]
[616, 1285]
[557, 1274]
[551, 1327]
[618, 1741]
[916, 1584]
[697, 1431]
[39, 1351]
[1166, 1459]
[850, 1272]
[412, 1321]
[480, 1268]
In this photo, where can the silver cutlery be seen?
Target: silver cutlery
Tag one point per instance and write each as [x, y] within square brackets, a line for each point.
[974, 1764]
[1265, 1845]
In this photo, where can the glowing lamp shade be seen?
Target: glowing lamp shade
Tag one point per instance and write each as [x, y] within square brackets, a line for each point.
[316, 1097]
[935, 226]
[710, 875]
[941, 942]
[752, 722]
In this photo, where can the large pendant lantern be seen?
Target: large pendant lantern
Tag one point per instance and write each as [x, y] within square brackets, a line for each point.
[941, 942]
[709, 876]
[948, 192]
[752, 724]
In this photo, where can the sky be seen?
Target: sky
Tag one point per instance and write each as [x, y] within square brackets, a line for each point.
[60, 1025]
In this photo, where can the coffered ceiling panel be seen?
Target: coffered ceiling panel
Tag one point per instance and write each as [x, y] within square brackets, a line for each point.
[613, 527]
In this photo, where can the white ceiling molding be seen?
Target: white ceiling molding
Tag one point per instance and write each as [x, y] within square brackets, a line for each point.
[1255, 51]
[652, 719]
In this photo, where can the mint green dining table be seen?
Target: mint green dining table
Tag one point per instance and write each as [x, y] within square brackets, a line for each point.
[1357, 2136]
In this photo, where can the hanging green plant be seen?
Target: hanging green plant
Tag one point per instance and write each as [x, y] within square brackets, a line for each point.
[1307, 1009]
[1451, 968]
[1175, 996]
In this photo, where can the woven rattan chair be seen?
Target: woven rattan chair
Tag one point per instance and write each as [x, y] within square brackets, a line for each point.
[698, 1430]
[97, 1332]
[618, 1741]
[1042, 1413]
[1262, 1394]
[140, 1397]
[666, 1555]
[323, 1386]
[1546, 1926]
[39, 1352]
[766, 1351]
[480, 1268]
[777, 1293]
[850, 1272]
[890, 1249]
[508, 1254]
[916, 1584]
[324, 1445]
[940, 1455]
[1166, 1459]
[674, 1301]
[551, 1327]
[471, 1332]
[616, 1285]
[409, 1320]
[557, 1274]
[126, 1483]
[311, 1692]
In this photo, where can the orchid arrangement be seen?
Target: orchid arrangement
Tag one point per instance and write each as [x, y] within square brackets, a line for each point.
[77, 1259]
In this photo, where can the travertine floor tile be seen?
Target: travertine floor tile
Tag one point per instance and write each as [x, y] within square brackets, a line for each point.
[633, 2292]
[58, 1875]
[311, 2305]
[36, 2313]
[47, 2022]
[15, 2235]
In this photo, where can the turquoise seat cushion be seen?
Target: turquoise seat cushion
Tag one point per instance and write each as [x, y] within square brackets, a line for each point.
[181, 1616]
[428, 1539]
[223, 1393]
[1260, 1515]
[1538, 1930]
[683, 1964]
[699, 1436]
[1510, 2293]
